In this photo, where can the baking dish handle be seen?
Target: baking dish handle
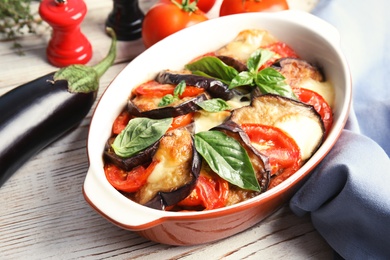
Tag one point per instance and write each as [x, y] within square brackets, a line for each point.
[115, 207]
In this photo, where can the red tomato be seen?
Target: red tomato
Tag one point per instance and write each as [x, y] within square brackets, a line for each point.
[282, 151]
[205, 5]
[154, 89]
[166, 18]
[319, 103]
[127, 181]
[210, 193]
[120, 122]
[249, 6]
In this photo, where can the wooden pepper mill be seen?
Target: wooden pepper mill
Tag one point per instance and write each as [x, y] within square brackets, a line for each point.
[126, 20]
[67, 45]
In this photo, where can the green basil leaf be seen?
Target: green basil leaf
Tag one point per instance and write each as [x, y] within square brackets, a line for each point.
[214, 105]
[244, 78]
[270, 76]
[139, 134]
[271, 81]
[200, 73]
[179, 89]
[213, 67]
[227, 158]
[167, 100]
[258, 58]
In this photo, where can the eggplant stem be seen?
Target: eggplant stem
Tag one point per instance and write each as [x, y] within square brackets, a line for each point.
[85, 79]
[104, 64]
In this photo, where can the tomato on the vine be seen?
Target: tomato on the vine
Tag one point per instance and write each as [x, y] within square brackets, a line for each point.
[205, 5]
[247, 6]
[167, 17]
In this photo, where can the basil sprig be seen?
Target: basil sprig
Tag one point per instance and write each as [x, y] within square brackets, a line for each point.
[139, 134]
[214, 105]
[268, 80]
[227, 158]
[169, 98]
[271, 81]
[244, 78]
[212, 67]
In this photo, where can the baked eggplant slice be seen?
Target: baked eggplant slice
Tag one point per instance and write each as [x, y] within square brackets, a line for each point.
[129, 163]
[215, 87]
[141, 107]
[238, 65]
[259, 161]
[296, 71]
[175, 173]
[298, 120]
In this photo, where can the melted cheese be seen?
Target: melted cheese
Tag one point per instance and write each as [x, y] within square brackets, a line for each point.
[236, 102]
[303, 136]
[325, 89]
[174, 157]
[206, 120]
[245, 43]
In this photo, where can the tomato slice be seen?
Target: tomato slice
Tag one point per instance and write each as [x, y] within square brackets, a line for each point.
[154, 89]
[282, 151]
[181, 121]
[120, 122]
[210, 193]
[320, 105]
[128, 181]
[281, 50]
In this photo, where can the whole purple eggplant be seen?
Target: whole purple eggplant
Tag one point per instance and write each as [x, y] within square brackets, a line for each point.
[37, 113]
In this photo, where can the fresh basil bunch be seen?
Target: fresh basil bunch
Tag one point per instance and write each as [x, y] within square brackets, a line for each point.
[268, 80]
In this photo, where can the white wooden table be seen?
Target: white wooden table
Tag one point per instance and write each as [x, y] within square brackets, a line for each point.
[43, 214]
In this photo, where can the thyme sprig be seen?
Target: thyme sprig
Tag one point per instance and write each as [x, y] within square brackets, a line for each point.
[16, 20]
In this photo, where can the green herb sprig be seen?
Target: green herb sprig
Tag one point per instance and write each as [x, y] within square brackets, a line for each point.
[169, 98]
[214, 105]
[268, 80]
[17, 19]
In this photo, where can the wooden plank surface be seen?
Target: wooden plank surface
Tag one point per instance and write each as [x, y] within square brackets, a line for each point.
[43, 214]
